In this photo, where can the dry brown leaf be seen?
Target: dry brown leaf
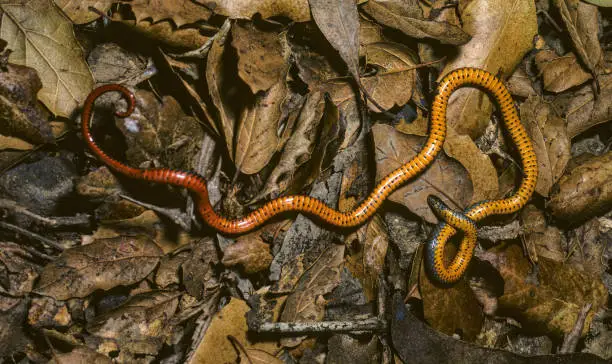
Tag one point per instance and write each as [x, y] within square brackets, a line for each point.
[141, 324]
[250, 252]
[261, 59]
[199, 277]
[168, 272]
[166, 33]
[393, 83]
[79, 11]
[583, 109]
[339, 23]
[257, 356]
[519, 84]
[257, 136]
[298, 148]
[103, 264]
[98, 183]
[216, 348]
[550, 141]
[181, 12]
[306, 302]
[410, 21]
[444, 178]
[20, 114]
[296, 10]
[582, 23]
[502, 33]
[159, 133]
[42, 38]
[540, 239]
[585, 190]
[369, 33]
[560, 73]
[215, 68]
[550, 301]
[80, 355]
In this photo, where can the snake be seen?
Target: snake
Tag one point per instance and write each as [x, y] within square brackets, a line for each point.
[452, 220]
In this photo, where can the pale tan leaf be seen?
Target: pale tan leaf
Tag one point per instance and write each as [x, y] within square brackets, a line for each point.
[413, 24]
[78, 11]
[393, 84]
[257, 138]
[42, 38]
[339, 22]
[181, 12]
[297, 10]
[445, 178]
[80, 355]
[560, 73]
[104, 264]
[502, 33]
[261, 59]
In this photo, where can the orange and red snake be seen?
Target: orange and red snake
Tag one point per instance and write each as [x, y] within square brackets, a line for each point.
[435, 259]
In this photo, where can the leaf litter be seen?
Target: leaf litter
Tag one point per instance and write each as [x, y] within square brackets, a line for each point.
[269, 98]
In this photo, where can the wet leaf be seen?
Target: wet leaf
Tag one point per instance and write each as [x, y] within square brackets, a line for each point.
[261, 58]
[306, 302]
[181, 12]
[560, 73]
[245, 9]
[585, 189]
[393, 83]
[79, 11]
[550, 141]
[444, 178]
[339, 23]
[550, 299]
[103, 264]
[257, 137]
[412, 23]
[42, 38]
[215, 347]
[250, 252]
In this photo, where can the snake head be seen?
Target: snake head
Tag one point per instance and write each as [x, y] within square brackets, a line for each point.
[437, 205]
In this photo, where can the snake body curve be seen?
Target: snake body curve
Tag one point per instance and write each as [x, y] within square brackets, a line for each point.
[314, 207]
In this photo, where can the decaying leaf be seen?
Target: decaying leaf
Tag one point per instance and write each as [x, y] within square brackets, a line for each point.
[409, 20]
[42, 38]
[560, 73]
[394, 81]
[550, 141]
[250, 252]
[215, 347]
[550, 300]
[584, 190]
[261, 57]
[445, 178]
[245, 9]
[103, 264]
[140, 325]
[198, 273]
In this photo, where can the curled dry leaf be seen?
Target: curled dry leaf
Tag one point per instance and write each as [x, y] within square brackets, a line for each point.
[181, 12]
[551, 301]
[582, 23]
[160, 133]
[560, 73]
[164, 32]
[79, 11]
[306, 302]
[339, 23]
[583, 109]
[42, 38]
[103, 264]
[250, 252]
[261, 57]
[550, 141]
[215, 347]
[257, 137]
[393, 83]
[409, 20]
[20, 114]
[141, 324]
[445, 178]
[585, 189]
[296, 10]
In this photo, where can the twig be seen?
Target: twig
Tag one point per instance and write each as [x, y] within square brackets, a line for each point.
[372, 324]
[176, 215]
[60, 221]
[571, 339]
[31, 235]
[8, 246]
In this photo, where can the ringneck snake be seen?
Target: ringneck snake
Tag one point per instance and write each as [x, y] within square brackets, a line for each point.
[452, 220]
